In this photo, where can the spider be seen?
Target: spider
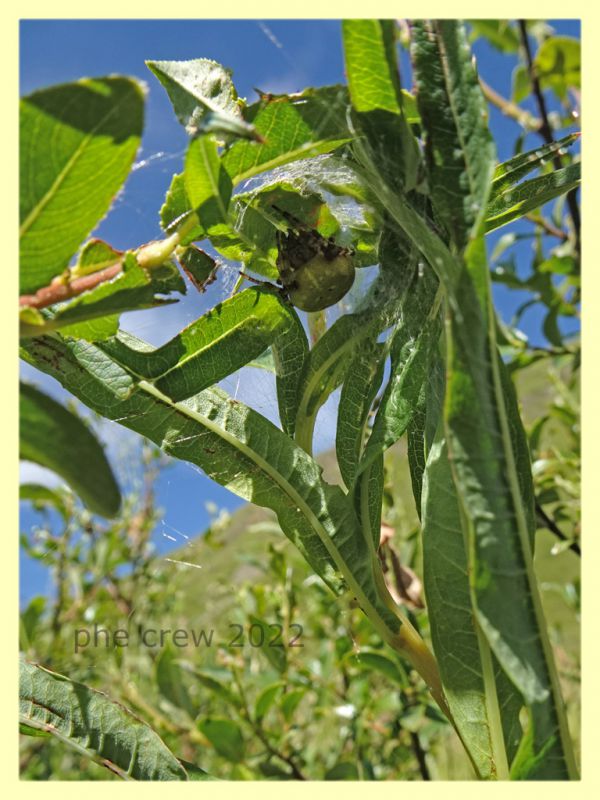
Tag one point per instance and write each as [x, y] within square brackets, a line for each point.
[314, 272]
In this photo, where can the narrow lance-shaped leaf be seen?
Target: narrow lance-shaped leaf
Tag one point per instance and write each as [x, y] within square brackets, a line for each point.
[458, 146]
[378, 118]
[466, 667]
[512, 171]
[222, 341]
[362, 382]
[207, 184]
[330, 358]
[242, 451]
[416, 334]
[78, 142]
[516, 201]
[56, 438]
[486, 474]
[94, 725]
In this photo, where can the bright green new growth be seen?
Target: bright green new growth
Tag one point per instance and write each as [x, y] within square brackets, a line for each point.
[425, 210]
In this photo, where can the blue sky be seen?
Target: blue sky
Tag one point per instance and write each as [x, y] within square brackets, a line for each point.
[275, 56]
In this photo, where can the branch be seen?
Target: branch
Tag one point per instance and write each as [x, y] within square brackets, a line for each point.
[60, 289]
[549, 523]
[510, 109]
[148, 256]
[545, 130]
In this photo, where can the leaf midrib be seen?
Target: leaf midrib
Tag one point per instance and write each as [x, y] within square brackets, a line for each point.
[293, 495]
[62, 175]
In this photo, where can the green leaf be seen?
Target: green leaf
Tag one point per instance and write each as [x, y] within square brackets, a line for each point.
[290, 701]
[42, 496]
[29, 621]
[331, 357]
[78, 142]
[371, 65]
[416, 334]
[207, 184]
[196, 773]
[516, 201]
[378, 119]
[94, 315]
[221, 342]
[266, 699]
[343, 771]
[177, 208]
[369, 661]
[239, 449]
[454, 637]
[500, 33]
[212, 684]
[362, 383]
[275, 653]
[521, 83]
[203, 97]
[169, 680]
[490, 477]
[459, 148]
[294, 127]
[94, 725]
[225, 736]
[56, 438]
[558, 64]
[510, 172]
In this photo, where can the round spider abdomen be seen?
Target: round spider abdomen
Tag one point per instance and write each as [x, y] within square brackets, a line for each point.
[320, 282]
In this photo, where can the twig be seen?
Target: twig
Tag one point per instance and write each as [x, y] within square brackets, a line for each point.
[148, 257]
[545, 129]
[550, 229]
[260, 733]
[60, 289]
[420, 756]
[510, 109]
[549, 523]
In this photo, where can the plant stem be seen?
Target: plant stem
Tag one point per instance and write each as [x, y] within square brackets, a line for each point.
[510, 109]
[549, 523]
[545, 129]
[62, 288]
[246, 716]
[420, 756]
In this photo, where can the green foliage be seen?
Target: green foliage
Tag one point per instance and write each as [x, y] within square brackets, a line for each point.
[421, 351]
[95, 128]
[56, 438]
[89, 721]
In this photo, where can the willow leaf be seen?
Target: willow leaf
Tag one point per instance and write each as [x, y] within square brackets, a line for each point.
[330, 358]
[516, 201]
[458, 146]
[485, 706]
[207, 184]
[416, 334]
[242, 451]
[378, 117]
[510, 172]
[203, 97]
[362, 383]
[95, 726]
[56, 438]
[226, 338]
[496, 522]
[78, 142]
[293, 127]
